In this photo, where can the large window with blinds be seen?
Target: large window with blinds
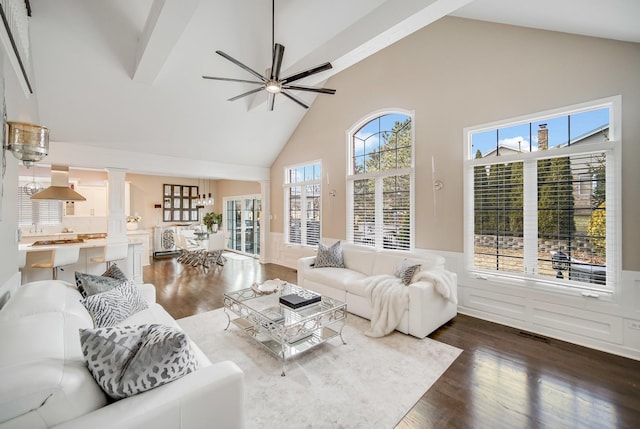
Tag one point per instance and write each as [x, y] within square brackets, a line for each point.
[541, 197]
[36, 213]
[302, 204]
[380, 182]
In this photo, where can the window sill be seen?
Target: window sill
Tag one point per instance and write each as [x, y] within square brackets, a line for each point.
[543, 286]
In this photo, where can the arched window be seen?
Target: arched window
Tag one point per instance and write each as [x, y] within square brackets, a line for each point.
[380, 181]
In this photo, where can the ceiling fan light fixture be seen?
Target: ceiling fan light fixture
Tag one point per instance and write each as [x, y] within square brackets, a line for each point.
[273, 86]
[271, 81]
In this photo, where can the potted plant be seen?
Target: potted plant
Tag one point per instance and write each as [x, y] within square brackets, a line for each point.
[212, 220]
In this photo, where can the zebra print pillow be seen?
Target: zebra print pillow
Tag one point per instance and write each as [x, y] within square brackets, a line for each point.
[113, 306]
[405, 271]
[114, 272]
[133, 359]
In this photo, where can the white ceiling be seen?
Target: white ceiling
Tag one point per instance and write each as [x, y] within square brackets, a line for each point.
[124, 75]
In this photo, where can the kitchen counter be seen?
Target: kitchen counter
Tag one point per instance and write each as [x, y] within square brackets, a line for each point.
[91, 243]
[31, 237]
[91, 248]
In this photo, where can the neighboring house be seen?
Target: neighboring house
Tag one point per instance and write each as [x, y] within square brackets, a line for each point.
[583, 182]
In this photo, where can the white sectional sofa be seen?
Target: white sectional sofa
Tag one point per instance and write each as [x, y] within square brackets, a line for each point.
[429, 306]
[44, 381]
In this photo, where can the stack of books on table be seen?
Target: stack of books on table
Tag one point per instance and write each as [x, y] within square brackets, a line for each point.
[293, 300]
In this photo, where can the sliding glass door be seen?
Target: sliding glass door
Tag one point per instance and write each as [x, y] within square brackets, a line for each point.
[242, 224]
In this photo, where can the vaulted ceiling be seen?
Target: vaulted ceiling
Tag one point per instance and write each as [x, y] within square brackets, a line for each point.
[125, 77]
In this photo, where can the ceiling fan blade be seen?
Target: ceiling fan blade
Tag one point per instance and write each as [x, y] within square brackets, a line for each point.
[278, 53]
[296, 99]
[239, 64]
[310, 88]
[314, 70]
[245, 94]
[270, 100]
[231, 80]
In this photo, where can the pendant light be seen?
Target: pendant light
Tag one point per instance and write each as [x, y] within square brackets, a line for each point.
[199, 201]
[210, 199]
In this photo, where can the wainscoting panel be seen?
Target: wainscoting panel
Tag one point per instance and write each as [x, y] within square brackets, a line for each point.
[575, 321]
[512, 307]
[287, 255]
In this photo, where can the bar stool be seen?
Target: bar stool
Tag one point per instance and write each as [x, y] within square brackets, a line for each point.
[22, 261]
[64, 255]
[112, 252]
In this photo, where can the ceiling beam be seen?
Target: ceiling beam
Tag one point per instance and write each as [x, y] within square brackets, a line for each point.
[165, 24]
[385, 25]
[97, 157]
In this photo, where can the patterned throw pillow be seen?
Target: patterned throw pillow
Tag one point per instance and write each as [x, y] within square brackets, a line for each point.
[329, 256]
[113, 306]
[133, 359]
[89, 284]
[405, 271]
[114, 272]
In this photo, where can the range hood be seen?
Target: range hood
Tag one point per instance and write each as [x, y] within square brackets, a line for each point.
[59, 189]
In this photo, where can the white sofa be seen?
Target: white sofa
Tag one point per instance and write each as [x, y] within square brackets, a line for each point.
[428, 309]
[44, 381]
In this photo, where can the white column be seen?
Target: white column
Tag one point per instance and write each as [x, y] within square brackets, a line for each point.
[265, 222]
[117, 217]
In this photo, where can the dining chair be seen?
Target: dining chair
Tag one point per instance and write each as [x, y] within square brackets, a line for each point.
[191, 252]
[215, 247]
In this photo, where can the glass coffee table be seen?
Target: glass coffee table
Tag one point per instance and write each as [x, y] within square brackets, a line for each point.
[283, 330]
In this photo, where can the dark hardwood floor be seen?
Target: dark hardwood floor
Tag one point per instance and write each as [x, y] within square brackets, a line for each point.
[504, 378]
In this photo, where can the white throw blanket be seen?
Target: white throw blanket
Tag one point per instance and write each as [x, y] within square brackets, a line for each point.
[443, 281]
[389, 300]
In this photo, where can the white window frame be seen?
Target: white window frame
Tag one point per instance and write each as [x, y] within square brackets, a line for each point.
[303, 207]
[612, 149]
[378, 176]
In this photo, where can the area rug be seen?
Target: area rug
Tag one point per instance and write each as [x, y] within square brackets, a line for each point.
[366, 383]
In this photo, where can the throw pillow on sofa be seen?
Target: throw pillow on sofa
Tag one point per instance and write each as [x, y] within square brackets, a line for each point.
[90, 284]
[114, 272]
[329, 256]
[405, 271]
[113, 306]
[133, 359]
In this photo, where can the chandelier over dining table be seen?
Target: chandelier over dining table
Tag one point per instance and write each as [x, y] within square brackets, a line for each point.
[204, 200]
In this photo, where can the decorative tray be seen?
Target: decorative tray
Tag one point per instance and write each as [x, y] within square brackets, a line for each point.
[268, 287]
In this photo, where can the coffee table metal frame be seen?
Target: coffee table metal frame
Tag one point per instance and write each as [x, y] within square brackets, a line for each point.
[284, 331]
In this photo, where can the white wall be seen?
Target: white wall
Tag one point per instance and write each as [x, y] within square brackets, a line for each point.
[19, 108]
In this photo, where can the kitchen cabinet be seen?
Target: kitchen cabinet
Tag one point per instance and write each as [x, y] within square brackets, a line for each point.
[95, 204]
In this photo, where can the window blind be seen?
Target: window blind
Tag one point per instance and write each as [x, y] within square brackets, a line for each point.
[498, 217]
[303, 208]
[572, 218]
[34, 212]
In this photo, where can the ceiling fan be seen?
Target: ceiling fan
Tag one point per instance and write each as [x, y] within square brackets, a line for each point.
[271, 81]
